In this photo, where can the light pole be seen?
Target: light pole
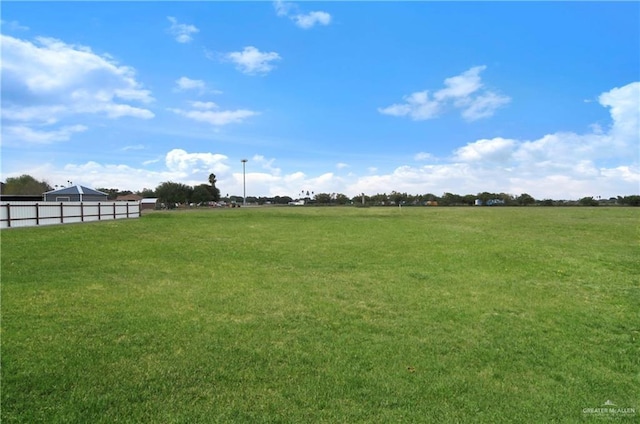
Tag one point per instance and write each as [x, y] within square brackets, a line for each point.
[244, 183]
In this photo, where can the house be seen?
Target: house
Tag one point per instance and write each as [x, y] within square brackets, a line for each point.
[129, 198]
[75, 193]
[149, 203]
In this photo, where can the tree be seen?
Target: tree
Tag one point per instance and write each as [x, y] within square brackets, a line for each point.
[525, 199]
[147, 192]
[469, 199]
[171, 193]
[588, 201]
[342, 199]
[215, 191]
[450, 199]
[397, 198]
[323, 198]
[379, 199]
[25, 185]
[202, 194]
[282, 200]
[113, 193]
[361, 200]
[633, 200]
[485, 196]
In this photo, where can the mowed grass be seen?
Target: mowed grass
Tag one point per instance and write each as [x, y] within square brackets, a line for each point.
[336, 315]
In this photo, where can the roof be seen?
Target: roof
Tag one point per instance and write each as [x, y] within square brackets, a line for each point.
[149, 200]
[77, 189]
[129, 197]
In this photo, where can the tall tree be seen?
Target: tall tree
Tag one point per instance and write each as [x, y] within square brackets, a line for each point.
[342, 199]
[171, 193]
[201, 194]
[147, 192]
[25, 184]
[113, 193]
[323, 198]
[525, 199]
[215, 191]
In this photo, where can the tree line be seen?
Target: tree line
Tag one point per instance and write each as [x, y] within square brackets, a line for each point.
[172, 193]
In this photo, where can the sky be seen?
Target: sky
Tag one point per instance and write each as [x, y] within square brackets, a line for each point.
[540, 98]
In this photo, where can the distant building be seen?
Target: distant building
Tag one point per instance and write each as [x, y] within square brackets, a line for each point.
[129, 198]
[148, 203]
[490, 202]
[75, 193]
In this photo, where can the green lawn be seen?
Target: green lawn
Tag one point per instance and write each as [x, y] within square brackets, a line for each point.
[336, 315]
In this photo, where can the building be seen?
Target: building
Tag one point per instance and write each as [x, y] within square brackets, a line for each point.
[75, 193]
[149, 204]
[129, 198]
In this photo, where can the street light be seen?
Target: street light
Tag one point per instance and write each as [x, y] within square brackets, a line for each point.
[244, 183]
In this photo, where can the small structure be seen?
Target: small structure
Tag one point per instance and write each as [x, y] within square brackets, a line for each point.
[148, 203]
[129, 198]
[75, 193]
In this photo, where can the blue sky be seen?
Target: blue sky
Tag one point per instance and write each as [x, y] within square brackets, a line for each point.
[339, 97]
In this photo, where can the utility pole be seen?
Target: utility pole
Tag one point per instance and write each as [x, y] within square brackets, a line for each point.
[244, 183]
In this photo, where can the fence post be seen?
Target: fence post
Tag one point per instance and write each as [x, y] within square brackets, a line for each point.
[62, 212]
[8, 215]
[99, 211]
[81, 211]
[114, 211]
[127, 209]
[37, 214]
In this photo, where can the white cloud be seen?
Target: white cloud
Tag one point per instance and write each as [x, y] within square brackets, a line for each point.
[266, 164]
[560, 165]
[178, 160]
[216, 117]
[13, 26]
[181, 32]
[18, 134]
[483, 106]
[302, 20]
[341, 165]
[252, 61]
[494, 150]
[422, 156]
[208, 112]
[310, 19]
[133, 147]
[204, 105]
[461, 86]
[48, 81]
[184, 83]
[283, 8]
[464, 91]
[623, 103]
[418, 106]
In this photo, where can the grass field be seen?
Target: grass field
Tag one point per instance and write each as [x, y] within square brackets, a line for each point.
[336, 315]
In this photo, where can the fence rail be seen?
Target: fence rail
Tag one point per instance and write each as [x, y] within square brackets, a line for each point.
[29, 214]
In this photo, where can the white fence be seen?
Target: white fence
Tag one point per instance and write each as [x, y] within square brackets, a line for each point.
[28, 214]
